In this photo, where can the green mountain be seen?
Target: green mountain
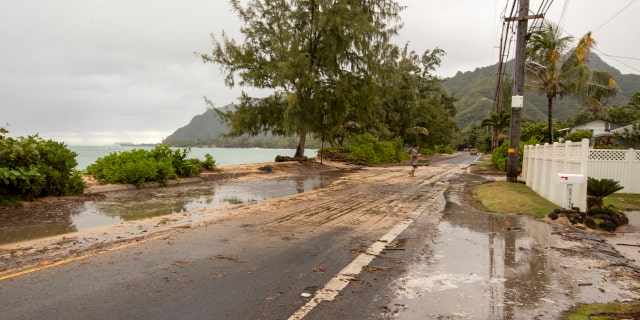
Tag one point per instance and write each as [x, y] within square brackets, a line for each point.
[202, 130]
[475, 91]
[208, 129]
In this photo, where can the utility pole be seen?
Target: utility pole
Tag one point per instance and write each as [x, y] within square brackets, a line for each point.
[517, 101]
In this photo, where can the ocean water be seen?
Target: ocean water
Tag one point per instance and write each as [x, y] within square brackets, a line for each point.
[222, 156]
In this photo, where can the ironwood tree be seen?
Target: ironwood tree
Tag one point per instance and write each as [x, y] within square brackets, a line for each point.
[413, 101]
[317, 58]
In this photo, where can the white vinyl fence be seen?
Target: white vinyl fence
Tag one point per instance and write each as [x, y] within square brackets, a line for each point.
[542, 164]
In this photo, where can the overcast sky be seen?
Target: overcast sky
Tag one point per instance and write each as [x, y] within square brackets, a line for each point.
[90, 72]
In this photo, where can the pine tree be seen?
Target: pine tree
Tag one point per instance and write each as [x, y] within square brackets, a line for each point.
[317, 57]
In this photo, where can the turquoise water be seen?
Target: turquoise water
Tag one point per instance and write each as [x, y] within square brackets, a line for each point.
[223, 156]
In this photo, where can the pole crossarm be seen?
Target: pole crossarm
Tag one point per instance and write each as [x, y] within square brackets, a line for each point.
[529, 17]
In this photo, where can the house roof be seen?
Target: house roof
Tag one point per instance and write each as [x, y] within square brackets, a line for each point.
[612, 125]
[622, 129]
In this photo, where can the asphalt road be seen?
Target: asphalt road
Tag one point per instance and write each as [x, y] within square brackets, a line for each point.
[373, 244]
[285, 258]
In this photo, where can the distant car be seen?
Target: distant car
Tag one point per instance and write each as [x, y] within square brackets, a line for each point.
[473, 152]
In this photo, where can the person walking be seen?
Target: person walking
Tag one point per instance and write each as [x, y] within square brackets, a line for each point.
[414, 160]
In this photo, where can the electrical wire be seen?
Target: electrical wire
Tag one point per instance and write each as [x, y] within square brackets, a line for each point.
[563, 15]
[618, 61]
[615, 15]
[506, 37]
[537, 24]
[600, 52]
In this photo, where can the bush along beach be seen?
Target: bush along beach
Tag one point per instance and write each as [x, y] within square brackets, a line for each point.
[31, 167]
[367, 149]
[138, 166]
[599, 215]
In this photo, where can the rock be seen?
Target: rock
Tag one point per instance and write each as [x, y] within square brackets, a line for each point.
[607, 226]
[280, 158]
[590, 223]
[267, 169]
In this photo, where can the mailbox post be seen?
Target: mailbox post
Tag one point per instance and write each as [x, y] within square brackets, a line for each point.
[570, 179]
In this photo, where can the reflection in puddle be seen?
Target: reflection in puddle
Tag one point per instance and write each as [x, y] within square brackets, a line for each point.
[115, 207]
[488, 266]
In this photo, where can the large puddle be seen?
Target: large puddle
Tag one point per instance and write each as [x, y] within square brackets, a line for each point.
[479, 265]
[39, 221]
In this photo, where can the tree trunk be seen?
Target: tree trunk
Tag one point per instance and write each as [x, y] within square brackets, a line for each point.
[300, 150]
[550, 119]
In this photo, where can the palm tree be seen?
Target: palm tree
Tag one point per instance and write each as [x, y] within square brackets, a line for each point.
[555, 73]
[498, 122]
[598, 189]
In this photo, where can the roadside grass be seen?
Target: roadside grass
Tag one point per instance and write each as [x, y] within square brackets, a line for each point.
[599, 311]
[508, 197]
[624, 201]
[485, 166]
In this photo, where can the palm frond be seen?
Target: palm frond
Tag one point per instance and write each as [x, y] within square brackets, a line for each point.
[602, 187]
[418, 130]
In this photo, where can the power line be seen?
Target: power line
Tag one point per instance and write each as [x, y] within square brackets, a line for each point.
[618, 61]
[563, 15]
[615, 15]
[630, 58]
[612, 57]
[542, 11]
[505, 37]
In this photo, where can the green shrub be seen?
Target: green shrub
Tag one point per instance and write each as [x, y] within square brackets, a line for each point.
[138, 166]
[368, 149]
[500, 154]
[209, 163]
[578, 135]
[31, 167]
[57, 166]
[443, 149]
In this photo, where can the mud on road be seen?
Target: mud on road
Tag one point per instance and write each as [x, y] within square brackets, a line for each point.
[366, 196]
[367, 200]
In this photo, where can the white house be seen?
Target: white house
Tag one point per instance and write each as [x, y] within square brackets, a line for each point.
[599, 128]
[629, 129]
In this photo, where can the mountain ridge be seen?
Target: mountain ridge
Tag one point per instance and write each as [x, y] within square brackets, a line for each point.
[475, 91]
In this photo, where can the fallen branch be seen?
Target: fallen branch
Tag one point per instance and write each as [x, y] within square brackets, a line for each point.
[629, 244]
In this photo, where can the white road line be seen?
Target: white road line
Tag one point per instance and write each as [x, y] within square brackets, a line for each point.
[342, 279]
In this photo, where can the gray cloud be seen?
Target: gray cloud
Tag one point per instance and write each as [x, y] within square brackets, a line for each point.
[98, 72]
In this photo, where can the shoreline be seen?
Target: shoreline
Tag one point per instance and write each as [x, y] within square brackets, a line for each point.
[47, 250]
[250, 171]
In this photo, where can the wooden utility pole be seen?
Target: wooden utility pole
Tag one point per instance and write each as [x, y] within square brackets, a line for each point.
[517, 101]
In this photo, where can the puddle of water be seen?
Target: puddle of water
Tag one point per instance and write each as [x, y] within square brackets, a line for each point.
[634, 222]
[487, 266]
[45, 220]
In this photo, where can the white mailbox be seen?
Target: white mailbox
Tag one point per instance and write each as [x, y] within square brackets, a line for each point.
[570, 178]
